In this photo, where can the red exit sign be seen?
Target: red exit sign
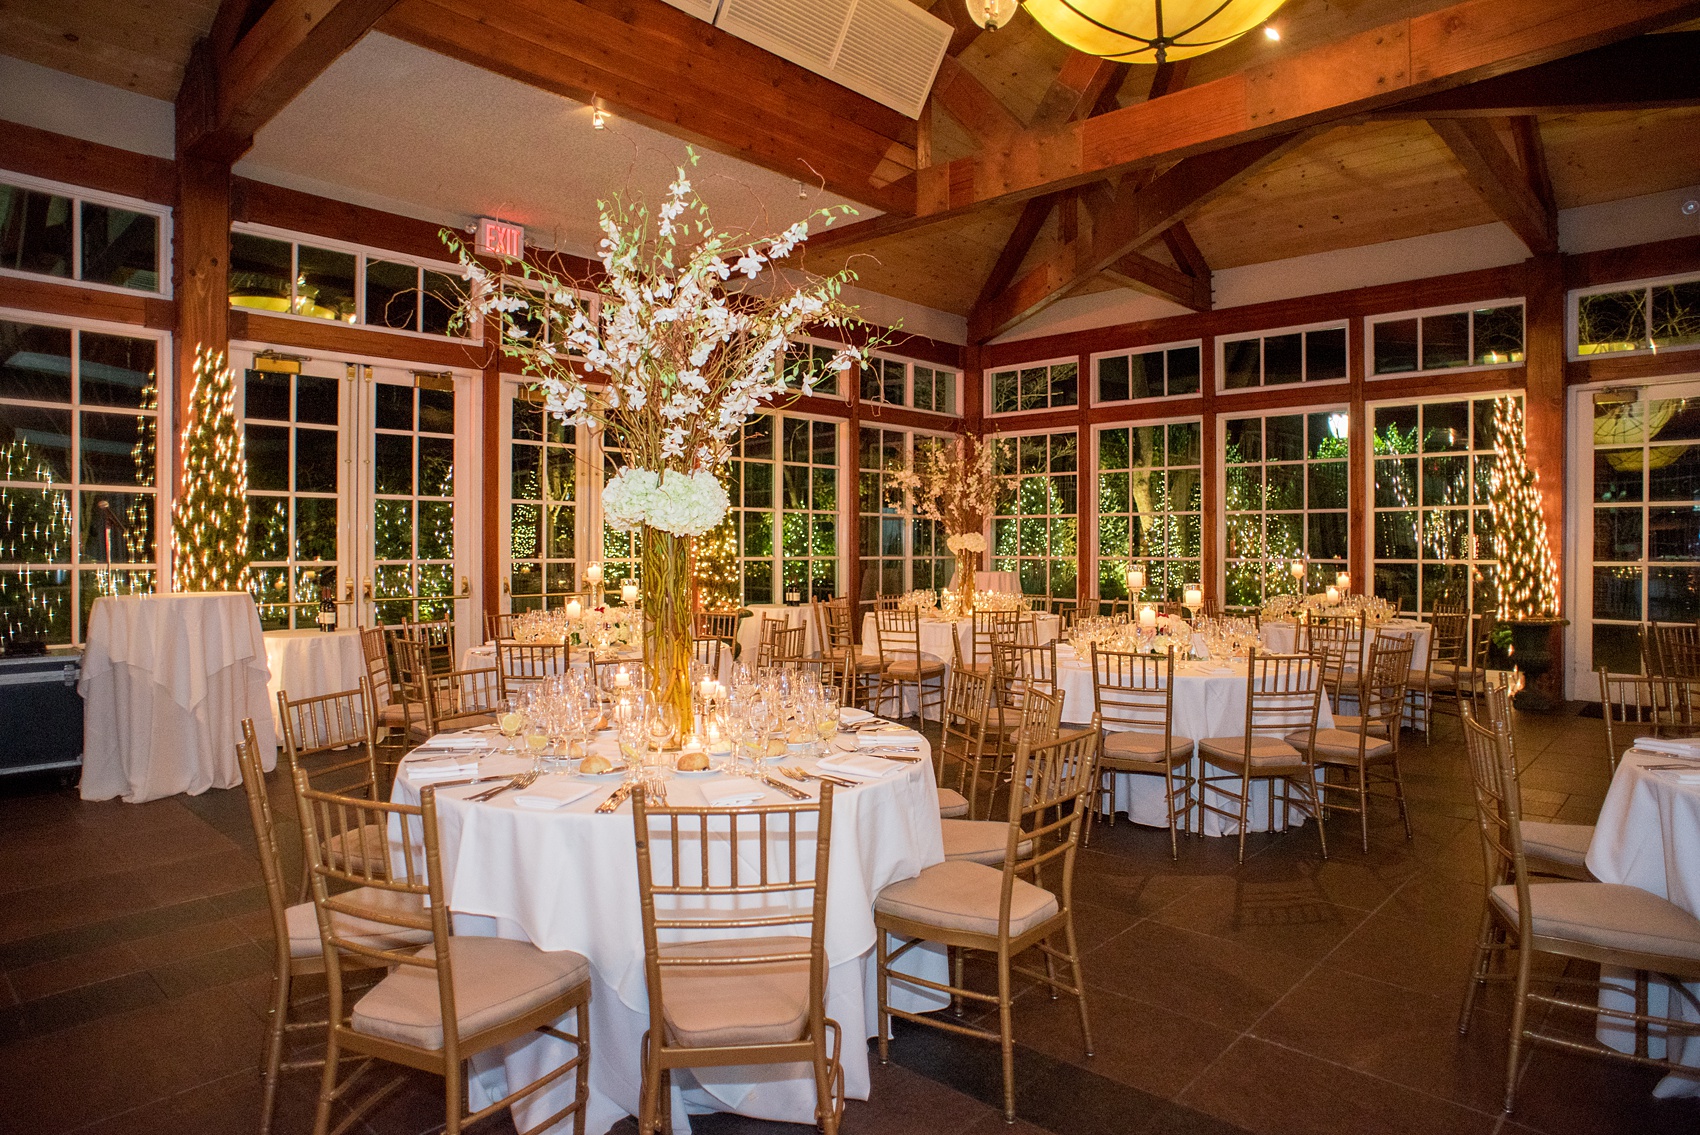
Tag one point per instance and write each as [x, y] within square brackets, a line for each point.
[499, 238]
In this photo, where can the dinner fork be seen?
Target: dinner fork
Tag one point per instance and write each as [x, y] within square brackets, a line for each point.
[523, 780]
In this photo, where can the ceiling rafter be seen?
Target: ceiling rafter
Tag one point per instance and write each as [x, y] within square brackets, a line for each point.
[1124, 224]
[238, 79]
[1178, 239]
[1034, 214]
[1076, 90]
[976, 109]
[1140, 272]
[1504, 186]
[1365, 72]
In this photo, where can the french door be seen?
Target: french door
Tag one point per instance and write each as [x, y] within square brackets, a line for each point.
[543, 535]
[1634, 521]
[358, 481]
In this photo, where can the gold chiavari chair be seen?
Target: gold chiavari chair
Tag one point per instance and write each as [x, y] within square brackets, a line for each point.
[982, 841]
[722, 625]
[1019, 669]
[1283, 694]
[498, 624]
[462, 699]
[838, 638]
[1551, 848]
[886, 602]
[1365, 747]
[295, 931]
[967, 706]
[1335, 643]
[903, 665]
[1597, 923]
[771, 626]
[459, 996]
[740, 978]
[331, 740]
[394, 712]
[437, 636]
[1002, 911]
[522, 665]
[784, 645]
[1066, 611]
[1672, 650]
[1448, 655]
[990, 631]
[1134, 702]
[1637, 706]
[708, 651]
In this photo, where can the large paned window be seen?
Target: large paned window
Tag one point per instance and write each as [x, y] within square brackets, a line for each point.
[622, 552]
[1150, 497]
[413, 485]
[291, 430]
[1646, 489]
[1036, 525]
[815, 357]
[1150, 372]
[1276, 359]
[897, 382]
[1286, 500]
[1036, 386]
[1644, 317]
[79, 418]
[1447, 340]
[1433, 526]
[899, 551]
[808, 508]
[543, 513]
[750, 478]
[54, 231]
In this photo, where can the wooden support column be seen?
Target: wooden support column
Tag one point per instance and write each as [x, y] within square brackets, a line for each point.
[201, 262]
[1212, 501]
[850, 489]
[489, 457]
[1086, 487]
[1543, 415]
[1359, 472]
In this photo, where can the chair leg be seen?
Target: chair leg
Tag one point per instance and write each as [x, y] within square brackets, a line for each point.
[647, 1091]
[1399, 796]
[1006, 1035]
[453, 1093]
[1079, 983]
[274, 1046]
[1363, 805]
[1245, 807]
[1519, 1010]
[882, 961]
[327, 1087]
[1174, 838]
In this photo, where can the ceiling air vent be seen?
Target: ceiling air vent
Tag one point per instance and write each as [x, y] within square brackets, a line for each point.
[888, 50]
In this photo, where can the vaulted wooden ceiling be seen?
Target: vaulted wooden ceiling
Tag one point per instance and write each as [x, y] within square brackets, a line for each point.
[1035, 172]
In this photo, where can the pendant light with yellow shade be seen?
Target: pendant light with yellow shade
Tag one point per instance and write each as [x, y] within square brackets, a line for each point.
[1136, 31]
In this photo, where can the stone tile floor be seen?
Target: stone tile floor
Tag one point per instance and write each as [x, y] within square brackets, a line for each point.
[1289, 995]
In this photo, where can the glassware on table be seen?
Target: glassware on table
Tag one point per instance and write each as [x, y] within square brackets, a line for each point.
[511, 723]
[536, 738]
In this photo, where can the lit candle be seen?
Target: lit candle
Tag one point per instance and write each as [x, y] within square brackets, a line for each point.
[1298, 569]
[1333, 595]
[1193, 597]
[1135, 580]
[718, 744]
[575, 610]
[708, 685]
[693, 744]
[1148, 618]
[593, 574]
[1343, 581]
[628, 593]
[622, 679]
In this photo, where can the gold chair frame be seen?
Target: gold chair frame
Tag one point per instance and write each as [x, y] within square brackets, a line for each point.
[521, 665]
[1136, 692]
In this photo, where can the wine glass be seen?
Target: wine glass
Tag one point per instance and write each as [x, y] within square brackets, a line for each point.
[536, 736]
[511, 722]
[662, 722]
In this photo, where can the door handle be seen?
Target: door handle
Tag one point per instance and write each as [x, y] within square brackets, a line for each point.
[366, 587]
[465, 588]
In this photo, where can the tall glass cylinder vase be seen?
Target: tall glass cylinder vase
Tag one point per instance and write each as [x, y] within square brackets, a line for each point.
[666, 587]
[963, 582]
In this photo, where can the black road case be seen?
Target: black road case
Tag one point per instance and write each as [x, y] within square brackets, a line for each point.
[41, 713]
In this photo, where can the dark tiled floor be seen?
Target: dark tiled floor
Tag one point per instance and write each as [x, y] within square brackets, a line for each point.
[1290, 995]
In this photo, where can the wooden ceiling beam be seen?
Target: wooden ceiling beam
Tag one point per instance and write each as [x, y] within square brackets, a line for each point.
[1647, 72]
[231, 93]
[1123, 224]
[1156, 278]
[1532, 155]
[1503, 184]
[976, 109]
[1034, 214]
[964, 31]
[1463, 43]
[649, 61]
[1077, 89]
[1178, 239]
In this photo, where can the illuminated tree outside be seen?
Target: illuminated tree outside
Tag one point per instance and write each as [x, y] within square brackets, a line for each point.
[1528, 577]
[210, 519]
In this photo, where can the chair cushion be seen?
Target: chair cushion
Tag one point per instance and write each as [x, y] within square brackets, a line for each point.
[1338, 745]
[759, 1003]
[304, 924]
[1352, 723]
[959, 895]
[395, 715]
[1562, 843]
[495, 980]
[952, 804]
[366, 851]
[980, 841]
[1609, 915]
[1131, 747]
[1266, 752]
[909, 671]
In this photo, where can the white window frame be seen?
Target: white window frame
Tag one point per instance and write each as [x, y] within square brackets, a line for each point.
[1451, 309]
[162, 217]
[1572, 316]
[1145, 349]
[360, 252]
[852, 548]
[843, 394]
[1080, 542]
[1094, 552]
[1222, 341]
[1012, 415]
[166, 416]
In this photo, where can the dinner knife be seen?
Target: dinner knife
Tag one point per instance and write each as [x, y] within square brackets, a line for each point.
[794, 793]
[617, 798]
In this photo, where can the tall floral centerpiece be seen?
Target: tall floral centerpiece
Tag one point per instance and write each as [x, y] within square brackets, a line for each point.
[690, 340]
[955, 484]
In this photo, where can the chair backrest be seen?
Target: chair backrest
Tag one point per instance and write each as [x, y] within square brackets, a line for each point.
[898, 635]
[1382, 683]
[967, 704]
[1450, 639]
[332, 739]
[1283, 694]
[460, 698]
[886, 602]
[408, 897]
[993, 629]
[1049, 789]
[1134, 691]
[839, 632]
[1040, 717]
[375, 649]
[498, 624]
[722, 625]
[1630, 702]
[771, 627]
[265, 834]
[785, 645]
[1022, 668]
[769, 876]
[1482, 644]
[1067, 611]
[707, 651]
[1673, 650]
[438, 639]
[412, 668]
[522, 665]
[1498, 807]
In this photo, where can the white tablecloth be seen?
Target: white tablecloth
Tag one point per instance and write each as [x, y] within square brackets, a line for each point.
[936, 635]
[484, 658]
[308, 663]
[749, 629]
[1007, 582]
[1207, 704]
[167, 680]
[1648, 836]
[1280, 635]
[567, 880]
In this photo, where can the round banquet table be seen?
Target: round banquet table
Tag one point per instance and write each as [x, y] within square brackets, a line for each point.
[936, 636]
[1648, 836]
[1209, 702]
[567, 880]
[484, 657]
[307, 663]
[166, 683]
[1280, 635]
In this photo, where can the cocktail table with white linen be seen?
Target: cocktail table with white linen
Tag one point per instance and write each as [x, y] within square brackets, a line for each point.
[308, 663]
[1209, 702]
[566, 878]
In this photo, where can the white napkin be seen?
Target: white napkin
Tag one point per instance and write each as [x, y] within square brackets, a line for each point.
[888, 737]
[858, 764]
[850, 715]
[1687, 747]
[552, 792]
[444, 768]
[731, 791]
[457, 742]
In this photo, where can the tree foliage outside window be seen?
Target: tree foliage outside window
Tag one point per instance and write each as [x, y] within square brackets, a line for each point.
[1150, 492]
[1285, 500]
[1639, 319]
[1036, 525]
